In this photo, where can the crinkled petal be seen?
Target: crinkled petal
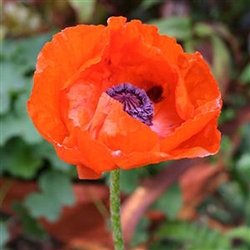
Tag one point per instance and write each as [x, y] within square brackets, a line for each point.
[70, 51]
[204, 143]
[87, 173]
[139, 159]
[82, 150]
[189, 129]
[196, 86]
[119, 131]
[165, 45]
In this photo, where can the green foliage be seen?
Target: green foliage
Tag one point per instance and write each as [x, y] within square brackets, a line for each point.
[146, 4]
[45, 150]
[129, 180]
[31, 227]
[19, 159]
[84, 9]
[242, 233]
[243, 168]
[4, 234]
[170, 202]
[227, 206]
[17, 123]
[17, 62]
[56, 191]
[191, 236]
[225, 148]
[178, 27]
[245, 134]
[23, 52]
[141, 233]
[12, 83]
[227, 115]
[221, 66]
[203, 30]
[245, 75]
[230, 205]
[23, 151]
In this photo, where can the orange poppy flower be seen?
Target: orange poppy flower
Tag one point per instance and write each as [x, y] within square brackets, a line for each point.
[123, 96]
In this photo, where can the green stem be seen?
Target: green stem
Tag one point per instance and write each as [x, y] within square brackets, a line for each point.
[115, 209]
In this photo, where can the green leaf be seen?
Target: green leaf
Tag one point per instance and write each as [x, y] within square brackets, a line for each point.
[17, 59]
[221, 61]
[247, 209]
[5, 236]
[242, 233]
[178, 27]
[129, 180]
[228, 114]
[189, 46]
[243, 168]
[19, 159]
[23, 52]
[146, 4]
[84, 9]
[197, 237]
[203, 29]
[46, 151]
[26, 128]
[56, 192]
[245, 135]
[170, 202]
[225, 149]
[17, 123]
[245, 75]
[31, 227]
[169, 245]
[231, 193]
[141, 234]
[12, 83]
[5, 102]
[41, 205]
[57, 185]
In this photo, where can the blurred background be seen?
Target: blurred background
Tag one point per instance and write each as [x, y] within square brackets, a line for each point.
[186, 205]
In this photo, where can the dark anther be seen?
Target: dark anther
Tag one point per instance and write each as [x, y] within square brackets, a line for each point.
[155, 94]
[135, 101]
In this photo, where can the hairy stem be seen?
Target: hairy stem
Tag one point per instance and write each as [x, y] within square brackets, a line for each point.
[115, 209]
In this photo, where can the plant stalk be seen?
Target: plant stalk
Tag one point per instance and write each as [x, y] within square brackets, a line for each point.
[115, 205]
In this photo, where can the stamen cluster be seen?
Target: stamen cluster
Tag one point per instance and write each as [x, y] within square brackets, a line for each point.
[135, 101]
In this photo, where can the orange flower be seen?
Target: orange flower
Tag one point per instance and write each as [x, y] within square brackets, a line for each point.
[123, 96]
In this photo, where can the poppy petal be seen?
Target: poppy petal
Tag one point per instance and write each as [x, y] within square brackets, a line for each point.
[70, 108]
[149, 35]
[166, 119]
[87, 173]
[139, 159]
[119, 131]
[187, 130]
[81, 150]
[195, 89]
[204, 143]
[127, 134]
[96, 155]
[148, 66]
[70, 50]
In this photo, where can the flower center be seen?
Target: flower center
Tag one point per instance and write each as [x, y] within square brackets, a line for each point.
[135, 101]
